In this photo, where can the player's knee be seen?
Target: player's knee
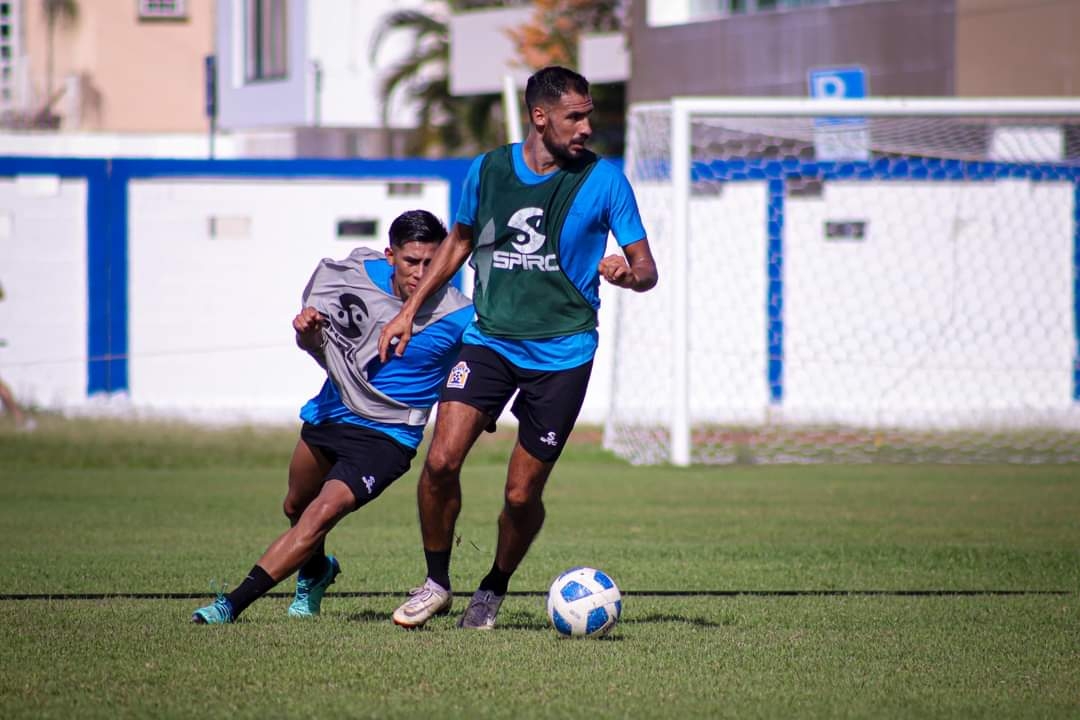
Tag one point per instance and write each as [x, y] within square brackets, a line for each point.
[291, 508]
[442, 467]
[324, 513]
[521, 498]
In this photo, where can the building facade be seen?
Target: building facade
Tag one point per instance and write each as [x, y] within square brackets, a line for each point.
[906, 47]
[302, 73]
[111, 65]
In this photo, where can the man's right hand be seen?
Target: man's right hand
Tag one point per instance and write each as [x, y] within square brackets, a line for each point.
[308, 325]
[395, 334]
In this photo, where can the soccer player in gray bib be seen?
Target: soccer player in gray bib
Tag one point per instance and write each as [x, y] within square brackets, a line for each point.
[361, 431]
[535, 217]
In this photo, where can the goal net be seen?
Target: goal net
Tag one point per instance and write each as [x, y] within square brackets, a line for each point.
[853, 281]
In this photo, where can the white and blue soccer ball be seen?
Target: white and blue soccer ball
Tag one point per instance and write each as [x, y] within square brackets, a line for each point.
[584, 602]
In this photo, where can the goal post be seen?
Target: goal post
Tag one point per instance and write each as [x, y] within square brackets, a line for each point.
[853, 280]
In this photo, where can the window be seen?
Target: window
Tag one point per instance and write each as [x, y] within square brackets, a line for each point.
[264, 38]
[357, 227]
[162, 9]
[675, 12]
[741, 7]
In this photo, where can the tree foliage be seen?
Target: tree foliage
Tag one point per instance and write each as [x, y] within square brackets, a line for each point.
[447, 124]
[452, 125]
[551, 37]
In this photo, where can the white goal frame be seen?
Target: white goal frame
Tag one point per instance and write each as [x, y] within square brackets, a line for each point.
[683, 110]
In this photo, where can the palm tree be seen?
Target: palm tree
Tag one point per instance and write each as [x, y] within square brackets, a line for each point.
[56, 12]
[448, 125]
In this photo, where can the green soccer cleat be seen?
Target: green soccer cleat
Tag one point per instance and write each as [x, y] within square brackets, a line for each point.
[219, 612]
[310, 591]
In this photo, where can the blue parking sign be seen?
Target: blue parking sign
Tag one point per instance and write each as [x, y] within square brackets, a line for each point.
[837, 83]
[840, 138]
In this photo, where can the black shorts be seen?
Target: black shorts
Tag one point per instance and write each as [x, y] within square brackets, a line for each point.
[547, 404]
[366, 460]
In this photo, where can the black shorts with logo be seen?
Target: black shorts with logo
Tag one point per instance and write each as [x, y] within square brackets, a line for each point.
[547, 404]
[366, 460]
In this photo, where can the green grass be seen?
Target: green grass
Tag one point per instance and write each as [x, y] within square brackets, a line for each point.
[113, 508]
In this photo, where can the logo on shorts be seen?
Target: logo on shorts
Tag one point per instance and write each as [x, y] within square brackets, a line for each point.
[369, 482]
[549, 439]
[459, 375]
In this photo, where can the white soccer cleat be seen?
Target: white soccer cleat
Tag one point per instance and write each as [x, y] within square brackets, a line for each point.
[483, 607]
[424, 603]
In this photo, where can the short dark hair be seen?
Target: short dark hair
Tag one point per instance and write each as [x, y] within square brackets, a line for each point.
[416, 226]
[548, 85]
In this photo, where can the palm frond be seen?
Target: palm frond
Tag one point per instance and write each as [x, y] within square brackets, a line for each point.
[421, 25]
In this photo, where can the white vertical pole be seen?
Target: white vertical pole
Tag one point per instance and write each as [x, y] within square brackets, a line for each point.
[680, 352]
[511, 110]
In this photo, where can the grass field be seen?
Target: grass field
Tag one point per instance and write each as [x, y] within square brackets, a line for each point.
[783, 591]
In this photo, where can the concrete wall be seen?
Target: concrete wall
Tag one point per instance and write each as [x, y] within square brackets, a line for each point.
[215, 268]
[958, 306]
[43, 270]
[906, 48]
[29, 143]
[1017, 47]
[211, 312]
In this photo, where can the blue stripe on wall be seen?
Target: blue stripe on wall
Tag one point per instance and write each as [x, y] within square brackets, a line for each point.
[99, 284]
[775, 301]
[101, 375]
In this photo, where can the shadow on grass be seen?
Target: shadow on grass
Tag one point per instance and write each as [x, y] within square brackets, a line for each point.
[653, 618]
[369, 616]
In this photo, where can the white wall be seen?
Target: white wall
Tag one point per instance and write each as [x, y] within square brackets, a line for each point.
[43, 318]
[956, 308]
[99, 145]
[210, 317]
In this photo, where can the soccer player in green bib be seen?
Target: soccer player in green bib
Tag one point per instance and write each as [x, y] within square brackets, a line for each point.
[535, 217]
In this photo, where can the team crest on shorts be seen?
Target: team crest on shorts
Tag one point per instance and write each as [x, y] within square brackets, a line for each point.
[459, 375]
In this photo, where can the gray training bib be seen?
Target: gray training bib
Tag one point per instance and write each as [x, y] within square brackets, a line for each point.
[357, 310]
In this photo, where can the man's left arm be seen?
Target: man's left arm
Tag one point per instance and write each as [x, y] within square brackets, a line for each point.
[636, 271]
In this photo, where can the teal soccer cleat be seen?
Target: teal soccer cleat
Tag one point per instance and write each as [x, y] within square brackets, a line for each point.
[310, 591]
[217, 613]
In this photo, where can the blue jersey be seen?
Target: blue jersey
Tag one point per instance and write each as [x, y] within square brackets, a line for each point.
[414, 379]
[605, 203]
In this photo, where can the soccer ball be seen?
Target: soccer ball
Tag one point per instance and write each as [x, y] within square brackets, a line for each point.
[583, 602]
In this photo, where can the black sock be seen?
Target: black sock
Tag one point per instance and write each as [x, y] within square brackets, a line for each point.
[496, 580]
[255, 585]
[315, 566]
[438, 566]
